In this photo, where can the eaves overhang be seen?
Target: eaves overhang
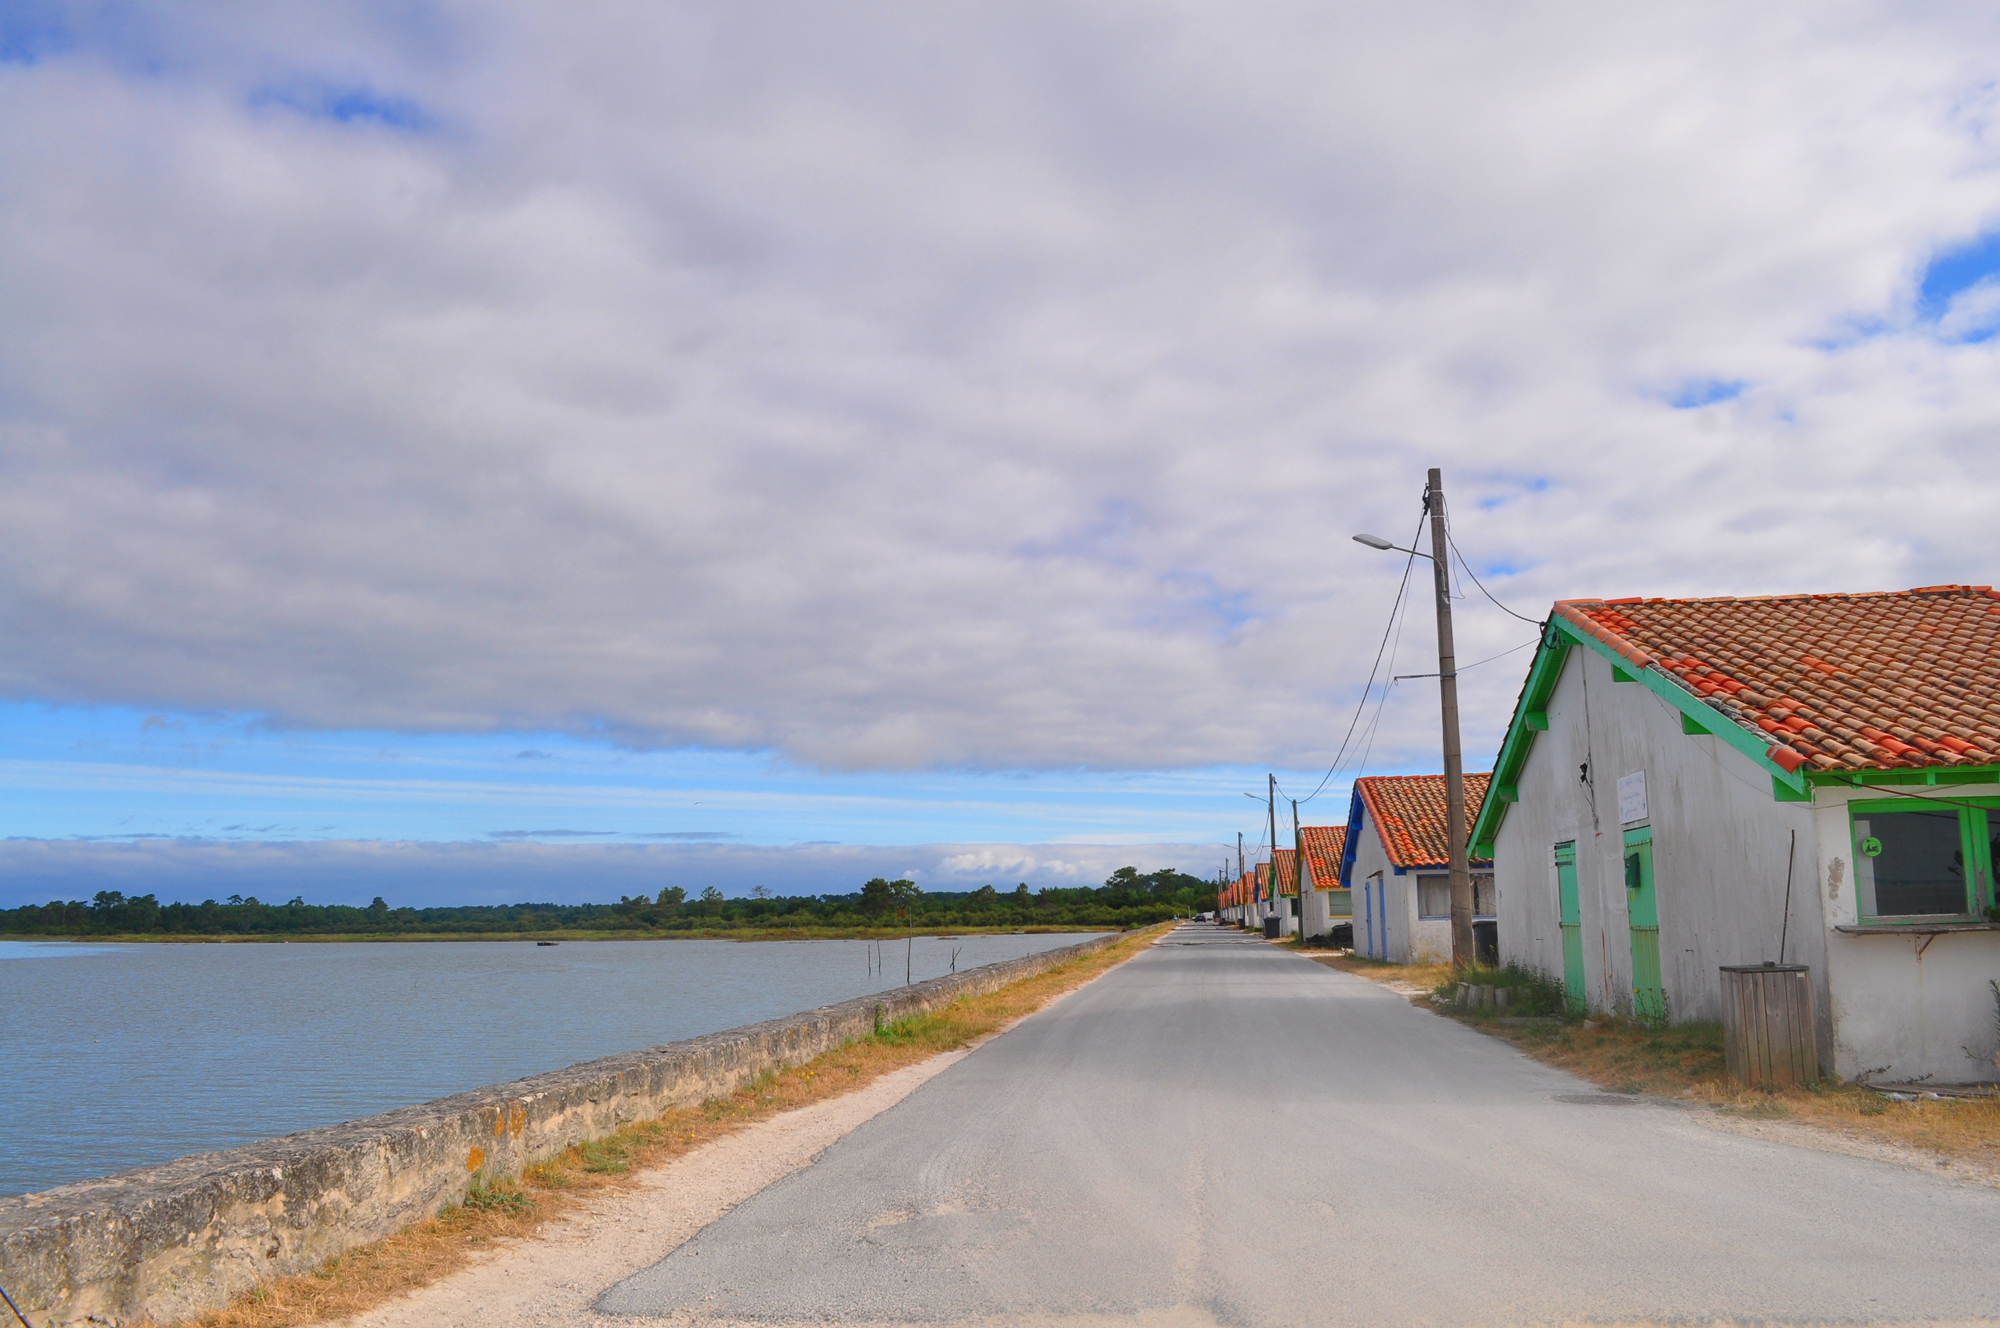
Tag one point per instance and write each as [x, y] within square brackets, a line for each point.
[1561, 635]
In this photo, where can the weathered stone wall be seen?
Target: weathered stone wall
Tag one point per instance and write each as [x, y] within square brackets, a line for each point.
[172, 1241]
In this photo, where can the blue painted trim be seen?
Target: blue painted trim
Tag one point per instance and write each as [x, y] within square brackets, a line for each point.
[1357, 815]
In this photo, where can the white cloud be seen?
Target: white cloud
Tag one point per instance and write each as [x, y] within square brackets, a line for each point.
[988, 387]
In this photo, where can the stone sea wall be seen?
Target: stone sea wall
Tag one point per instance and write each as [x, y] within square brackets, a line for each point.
[170, 1242]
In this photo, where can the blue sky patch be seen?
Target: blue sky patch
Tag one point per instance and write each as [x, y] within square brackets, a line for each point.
[1520, 485]
[1955, 271]
[1699, 392]
[348, 105]
[31, 32]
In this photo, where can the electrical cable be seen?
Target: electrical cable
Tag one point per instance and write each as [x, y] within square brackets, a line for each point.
[1475, 579]
[1396, 613]
[1476, 663]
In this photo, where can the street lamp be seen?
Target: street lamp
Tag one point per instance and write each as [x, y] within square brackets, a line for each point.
[1377, 542]
[1454, 759]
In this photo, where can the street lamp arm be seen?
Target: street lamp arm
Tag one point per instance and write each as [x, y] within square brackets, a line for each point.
[1377, 542]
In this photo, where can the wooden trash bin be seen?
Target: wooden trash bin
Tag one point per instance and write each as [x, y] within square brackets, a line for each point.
[1767, 1025]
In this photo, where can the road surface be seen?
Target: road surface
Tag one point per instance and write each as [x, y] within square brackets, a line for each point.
[1222, 1132]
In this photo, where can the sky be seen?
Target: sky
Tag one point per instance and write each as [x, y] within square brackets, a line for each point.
[448, 448]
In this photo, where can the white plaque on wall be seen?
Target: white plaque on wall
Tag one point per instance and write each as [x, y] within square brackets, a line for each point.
[1632, 797]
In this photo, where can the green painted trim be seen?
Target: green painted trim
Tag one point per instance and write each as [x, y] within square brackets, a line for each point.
[1639, 835]
[1862, 779]
[1974, 838]
[1543, 674]
[1559, 636]
[1723, 728]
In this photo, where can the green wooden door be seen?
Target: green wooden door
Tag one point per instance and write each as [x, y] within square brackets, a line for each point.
[1649, 994]
[1572, 924]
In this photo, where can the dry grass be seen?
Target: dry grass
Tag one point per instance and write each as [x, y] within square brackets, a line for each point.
[1414, 977]
[372, 1274]
[1686, 1061]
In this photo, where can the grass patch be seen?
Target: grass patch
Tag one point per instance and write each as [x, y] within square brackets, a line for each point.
[1529, 994]
[509, 1209]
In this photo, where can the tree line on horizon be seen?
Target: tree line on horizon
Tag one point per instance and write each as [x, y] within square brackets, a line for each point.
[1128, 898]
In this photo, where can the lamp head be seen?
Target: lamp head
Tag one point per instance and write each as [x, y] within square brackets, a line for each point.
[1373, 541]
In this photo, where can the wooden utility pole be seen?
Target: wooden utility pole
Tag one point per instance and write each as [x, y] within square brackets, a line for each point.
[1454, 759]
[1271, 805]
[1242, 905]
[1299, 869]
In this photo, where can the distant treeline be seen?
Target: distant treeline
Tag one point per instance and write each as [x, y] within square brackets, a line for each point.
[1127, 899]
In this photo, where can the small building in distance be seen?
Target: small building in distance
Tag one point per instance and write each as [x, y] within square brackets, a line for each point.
[1694, 783]
[1396, 860]
[1284, 869]
[1327, 911]
[1246, 898]
[1232, 899]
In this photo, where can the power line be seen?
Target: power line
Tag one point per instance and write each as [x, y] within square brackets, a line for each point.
[1395, 615]
[1475, 579]
[1475, 663]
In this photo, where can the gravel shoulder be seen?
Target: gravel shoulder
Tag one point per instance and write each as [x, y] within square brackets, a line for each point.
[553, 1277]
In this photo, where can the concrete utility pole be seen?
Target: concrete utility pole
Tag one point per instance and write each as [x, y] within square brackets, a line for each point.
[1271, 806]
[1242, 906]
[1299, 868]
[1454, 759]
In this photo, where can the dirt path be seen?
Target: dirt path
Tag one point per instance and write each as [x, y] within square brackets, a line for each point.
[554, 1277]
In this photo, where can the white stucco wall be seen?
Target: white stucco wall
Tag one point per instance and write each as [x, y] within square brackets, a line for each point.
[1317, 916]
[1370, 860]
[1720, 841]
[1409, 939]
[1903, 1010]
[1430, 938]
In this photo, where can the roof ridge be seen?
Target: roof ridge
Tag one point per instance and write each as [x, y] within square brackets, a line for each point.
[1966, 589]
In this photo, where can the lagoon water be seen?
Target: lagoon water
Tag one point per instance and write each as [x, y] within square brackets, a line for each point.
[118, 1056]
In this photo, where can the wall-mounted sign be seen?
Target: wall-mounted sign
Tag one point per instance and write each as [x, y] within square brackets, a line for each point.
[1632, 797]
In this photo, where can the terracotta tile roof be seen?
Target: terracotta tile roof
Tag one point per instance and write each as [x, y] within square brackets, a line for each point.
[1408, 813]
[1287, 872]
[1324, 845]
[1837, 682]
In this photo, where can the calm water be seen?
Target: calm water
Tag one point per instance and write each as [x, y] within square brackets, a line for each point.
[119, 1056]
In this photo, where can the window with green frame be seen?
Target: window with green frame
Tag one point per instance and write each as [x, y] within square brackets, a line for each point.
[1915, 858]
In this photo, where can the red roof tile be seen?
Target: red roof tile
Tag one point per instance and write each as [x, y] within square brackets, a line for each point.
[1324, 845]
[1838, 682]
[1288, 881]
[1408, 812]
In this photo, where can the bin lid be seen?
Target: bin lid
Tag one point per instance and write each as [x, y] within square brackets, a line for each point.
[1765, 968]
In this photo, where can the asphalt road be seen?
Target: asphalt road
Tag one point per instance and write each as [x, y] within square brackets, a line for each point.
[1221, 1131]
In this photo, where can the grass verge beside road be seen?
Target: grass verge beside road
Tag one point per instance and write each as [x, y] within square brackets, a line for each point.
[371, 1275]
[1685, 1061]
